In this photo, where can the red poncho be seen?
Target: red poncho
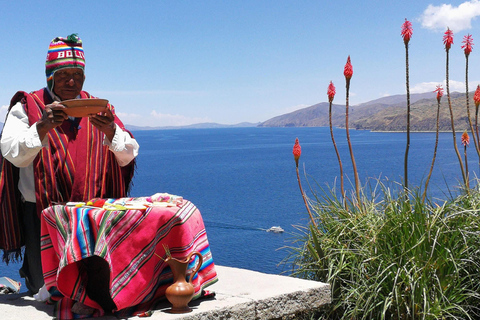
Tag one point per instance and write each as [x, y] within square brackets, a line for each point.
[75, 167]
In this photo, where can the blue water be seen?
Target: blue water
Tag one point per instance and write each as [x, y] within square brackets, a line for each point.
[243, 180]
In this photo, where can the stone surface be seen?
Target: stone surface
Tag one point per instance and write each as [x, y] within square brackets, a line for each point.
[240, 295]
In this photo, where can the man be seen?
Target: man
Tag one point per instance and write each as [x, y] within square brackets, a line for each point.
[49, 157]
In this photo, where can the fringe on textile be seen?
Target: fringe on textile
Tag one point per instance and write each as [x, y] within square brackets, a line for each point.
[11, 255]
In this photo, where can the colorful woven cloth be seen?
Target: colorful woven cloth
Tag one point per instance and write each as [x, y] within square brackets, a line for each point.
[76, 166]
[63, 53]
[131, 242]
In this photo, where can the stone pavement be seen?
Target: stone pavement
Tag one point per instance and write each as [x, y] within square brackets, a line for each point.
[240, 295]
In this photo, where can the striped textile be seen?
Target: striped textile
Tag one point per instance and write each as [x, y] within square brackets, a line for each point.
[75, 167]
[129, 240]
[64, 53]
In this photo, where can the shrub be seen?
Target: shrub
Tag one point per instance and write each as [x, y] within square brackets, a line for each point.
[394, 258]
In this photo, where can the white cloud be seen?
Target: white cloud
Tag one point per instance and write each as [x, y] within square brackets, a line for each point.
[129, 117]
[458, 86]
[165, 119]
[445, 15]
[156, 119]
[427, 87]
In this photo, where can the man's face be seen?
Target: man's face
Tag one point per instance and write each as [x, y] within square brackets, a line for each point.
[68, 82]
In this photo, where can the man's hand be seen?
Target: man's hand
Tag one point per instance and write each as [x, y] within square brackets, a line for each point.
[53, 116]
[105, 123]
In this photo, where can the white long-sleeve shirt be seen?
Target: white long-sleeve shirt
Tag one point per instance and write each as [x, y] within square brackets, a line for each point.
[20, 144]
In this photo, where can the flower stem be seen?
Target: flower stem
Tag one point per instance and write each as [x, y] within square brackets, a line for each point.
[476, 130]
[355, 171]
[336, 150]
[434, 154]
[305, 199]
[466, 167]
[408, 119]
[453, 126]
[475, 138]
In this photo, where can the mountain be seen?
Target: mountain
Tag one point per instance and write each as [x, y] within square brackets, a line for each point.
[206, 125]
[384, 114]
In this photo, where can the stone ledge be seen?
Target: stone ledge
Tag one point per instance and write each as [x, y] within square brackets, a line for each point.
[240, 295]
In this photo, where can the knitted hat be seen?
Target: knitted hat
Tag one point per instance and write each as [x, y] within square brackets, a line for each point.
[64, 53]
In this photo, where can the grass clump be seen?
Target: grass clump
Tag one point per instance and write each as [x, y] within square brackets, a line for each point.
[390, 256]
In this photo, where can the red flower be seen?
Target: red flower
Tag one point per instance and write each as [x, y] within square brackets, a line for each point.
[348, 70]
[331, 92]
[468, 44]
[448, 39]
[407, 31]
[297, 151]
[439, 91]
[465, 138]
[476, 97]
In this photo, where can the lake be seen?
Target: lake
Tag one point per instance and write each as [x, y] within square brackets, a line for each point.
[243, 180]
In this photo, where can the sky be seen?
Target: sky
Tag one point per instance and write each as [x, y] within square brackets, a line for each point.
[175, 63]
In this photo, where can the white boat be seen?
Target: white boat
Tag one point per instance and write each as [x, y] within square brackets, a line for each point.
[275, 229]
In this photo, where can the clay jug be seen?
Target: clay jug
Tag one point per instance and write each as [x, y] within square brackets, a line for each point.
[181, 292]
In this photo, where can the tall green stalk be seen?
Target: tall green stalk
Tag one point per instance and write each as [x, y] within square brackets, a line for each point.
[476, 100]
[439, 91]
[407, 148]
[448, 40]
[348, 72]
[468, 43]
[407, 34]
[465, 142]
[331, 95]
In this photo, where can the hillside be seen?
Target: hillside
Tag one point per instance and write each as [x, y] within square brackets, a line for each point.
[384, 114]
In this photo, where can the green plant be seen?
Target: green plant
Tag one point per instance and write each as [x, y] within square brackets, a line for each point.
[394, 258]
[395, 254]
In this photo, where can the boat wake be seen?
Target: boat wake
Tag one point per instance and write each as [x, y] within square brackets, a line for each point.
[274, 229]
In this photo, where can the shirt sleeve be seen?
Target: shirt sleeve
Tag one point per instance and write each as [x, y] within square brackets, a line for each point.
[20, 142]
[123, 146]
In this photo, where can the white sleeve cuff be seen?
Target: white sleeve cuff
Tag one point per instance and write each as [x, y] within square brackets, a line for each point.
[123, 146]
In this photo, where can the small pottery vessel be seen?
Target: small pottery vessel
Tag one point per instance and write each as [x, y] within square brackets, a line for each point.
[181, 292]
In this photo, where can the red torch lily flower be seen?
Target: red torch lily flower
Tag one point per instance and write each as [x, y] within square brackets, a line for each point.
[407, 31]
[439, 91]
[468, 44]
[476, 97]
[348, 70]
[465, 139]
[297, 151]
[448, 39]
[331, 92]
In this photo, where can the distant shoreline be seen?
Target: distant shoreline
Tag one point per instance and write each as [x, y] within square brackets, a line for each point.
[220, 126]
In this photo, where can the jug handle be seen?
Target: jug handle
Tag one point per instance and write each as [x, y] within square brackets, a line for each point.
[199, 265]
